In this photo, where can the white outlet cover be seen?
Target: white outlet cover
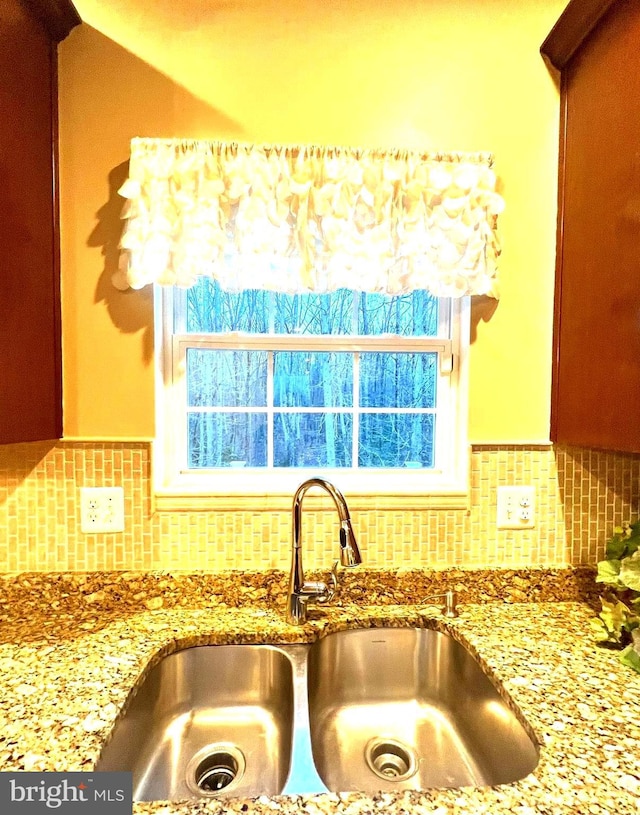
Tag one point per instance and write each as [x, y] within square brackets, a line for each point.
[516, 508]
[101, 509]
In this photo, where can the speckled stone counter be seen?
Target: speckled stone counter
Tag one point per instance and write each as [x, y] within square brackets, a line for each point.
[72, 647]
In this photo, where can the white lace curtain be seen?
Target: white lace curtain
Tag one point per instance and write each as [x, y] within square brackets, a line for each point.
[307, 218]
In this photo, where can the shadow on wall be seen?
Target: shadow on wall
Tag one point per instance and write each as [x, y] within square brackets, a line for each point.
[17, 463]
[599, 489]
[482, 309]
[118, 97]
[131, 311]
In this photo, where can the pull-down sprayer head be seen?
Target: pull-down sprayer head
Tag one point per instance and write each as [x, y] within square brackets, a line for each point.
[349, 551]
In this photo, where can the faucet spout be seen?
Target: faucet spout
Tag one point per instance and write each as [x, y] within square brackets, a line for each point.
[301, 592]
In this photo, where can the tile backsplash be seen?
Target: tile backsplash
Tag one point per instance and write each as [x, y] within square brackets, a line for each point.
[580, 495]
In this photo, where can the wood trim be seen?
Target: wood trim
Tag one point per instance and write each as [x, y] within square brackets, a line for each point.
[55, 249]
[574, 25]
[57, 16]
[557, 310]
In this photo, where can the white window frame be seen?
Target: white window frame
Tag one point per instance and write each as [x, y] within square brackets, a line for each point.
[444, 485]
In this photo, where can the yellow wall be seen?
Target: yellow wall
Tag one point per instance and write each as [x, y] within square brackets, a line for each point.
[447, 75]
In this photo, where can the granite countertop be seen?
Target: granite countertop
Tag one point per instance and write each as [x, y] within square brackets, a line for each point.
[73, 646]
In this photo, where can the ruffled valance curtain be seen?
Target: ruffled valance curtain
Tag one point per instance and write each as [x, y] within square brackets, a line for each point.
[307, 218]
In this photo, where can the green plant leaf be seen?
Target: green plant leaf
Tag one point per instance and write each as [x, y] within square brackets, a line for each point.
[614, 616]
[608, 571]
[632, 532]
[629, 573]
[616, 547]
[631, 654]
[630, 657]
[618, 623]
[600, 630]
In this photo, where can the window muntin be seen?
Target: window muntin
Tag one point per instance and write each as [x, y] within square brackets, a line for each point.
[251, 371]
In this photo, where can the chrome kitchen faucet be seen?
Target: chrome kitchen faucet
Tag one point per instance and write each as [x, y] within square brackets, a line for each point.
[302, 592]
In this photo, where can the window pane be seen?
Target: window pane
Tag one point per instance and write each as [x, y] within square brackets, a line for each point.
[212, 310]
[414, 314]
[398, 380]
[226, 378]
[310, 379]
[314, 313]
[312, 440]
[396, 440]
[227, 440]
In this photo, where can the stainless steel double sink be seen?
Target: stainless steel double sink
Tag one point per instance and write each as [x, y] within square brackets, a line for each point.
[368, 710]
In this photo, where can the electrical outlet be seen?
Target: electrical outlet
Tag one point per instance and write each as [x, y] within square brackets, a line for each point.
[516, 508]
[101, 509]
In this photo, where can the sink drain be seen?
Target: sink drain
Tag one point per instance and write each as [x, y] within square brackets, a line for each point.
[390, 759]
[215, 769]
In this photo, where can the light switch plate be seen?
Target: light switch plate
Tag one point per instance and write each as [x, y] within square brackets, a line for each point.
[516, 508]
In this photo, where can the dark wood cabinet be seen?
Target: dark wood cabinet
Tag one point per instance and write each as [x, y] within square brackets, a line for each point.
[30, 358]
[596, 367]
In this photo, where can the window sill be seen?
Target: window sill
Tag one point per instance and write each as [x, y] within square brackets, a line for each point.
[175, 501]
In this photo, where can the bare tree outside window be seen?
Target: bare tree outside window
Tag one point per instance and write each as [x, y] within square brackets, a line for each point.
[310, 407]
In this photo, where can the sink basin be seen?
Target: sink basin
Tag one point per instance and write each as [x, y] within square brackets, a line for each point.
[208, 721]
[365, 710]
[404, 708]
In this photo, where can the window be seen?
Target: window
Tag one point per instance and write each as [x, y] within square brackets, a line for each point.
[257, 390]
[260, 390]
